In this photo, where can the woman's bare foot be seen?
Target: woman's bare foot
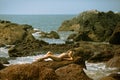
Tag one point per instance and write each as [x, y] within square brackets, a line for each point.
[48, 54]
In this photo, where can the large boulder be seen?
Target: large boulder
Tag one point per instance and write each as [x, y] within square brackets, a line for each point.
[12, 33]
[99, 24]
[26, 48]
[55, 64]
[27, 72]
[81, 36]
[101, 56]
[46, 70]
[20, 36]
[114, 76]
[115, 61]
[72, 72]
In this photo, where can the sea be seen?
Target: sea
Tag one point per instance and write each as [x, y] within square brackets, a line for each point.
[49, 23]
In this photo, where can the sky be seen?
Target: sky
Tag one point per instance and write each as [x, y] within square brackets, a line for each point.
[56, 6]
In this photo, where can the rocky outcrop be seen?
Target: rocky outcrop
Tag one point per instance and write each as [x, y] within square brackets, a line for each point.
[72, 72]
[4, 60]
[12, 33]
[115, 38]
[1, 66]
[26, 48]
[81, 36]
[115, 61]
[113, 76]
[46, 70]
[20, 36]
[52, 34]
[27, 72]
[100, 25]
[101, 56]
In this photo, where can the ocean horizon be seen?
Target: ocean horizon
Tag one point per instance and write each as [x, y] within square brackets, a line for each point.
[43, 22]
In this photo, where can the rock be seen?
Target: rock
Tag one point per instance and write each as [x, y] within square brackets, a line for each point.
[3, 60]
[101, 56]
[20, 36]
[107, 78]
[27, 72]
[45, 70]
[100, 25]
[114, 62]
[52, 34]
[12, 33]
[115, 38]
[26, 48]
[81, 36]
[1, 66]
[55, 64]
[72, 72]
[113, 76]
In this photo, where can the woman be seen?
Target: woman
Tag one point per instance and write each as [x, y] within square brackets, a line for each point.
[64, 56]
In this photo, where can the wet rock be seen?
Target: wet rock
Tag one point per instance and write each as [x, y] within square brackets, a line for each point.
[114, 62]
[4, 60]
[52, 34]
[107, 78]
[81, 36]
[56, 48]
[55, 64]
[72, 72]
[101, 56]
[115, 38]
[45, 70]
[1, 66]
[114, 76]
[27, 72]
[26, 48]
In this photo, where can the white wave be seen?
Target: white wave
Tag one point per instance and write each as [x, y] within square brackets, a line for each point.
[98, 70]
[4, 52]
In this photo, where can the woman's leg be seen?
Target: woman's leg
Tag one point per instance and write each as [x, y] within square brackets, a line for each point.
[50, 55]
[55, 58]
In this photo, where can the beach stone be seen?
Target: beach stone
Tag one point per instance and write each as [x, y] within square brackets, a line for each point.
[27, 72]
[72, 72]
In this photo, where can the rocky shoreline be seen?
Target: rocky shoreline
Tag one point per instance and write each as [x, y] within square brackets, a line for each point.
[92, 51]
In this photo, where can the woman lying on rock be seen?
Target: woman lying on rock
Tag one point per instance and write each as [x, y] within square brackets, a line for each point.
[69, 56]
